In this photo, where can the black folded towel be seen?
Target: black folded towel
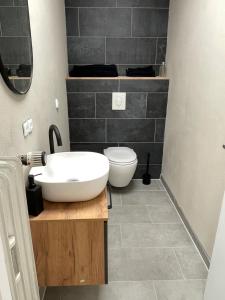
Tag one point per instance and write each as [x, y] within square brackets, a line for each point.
[141, 72]
[24, 71]
[94, 71]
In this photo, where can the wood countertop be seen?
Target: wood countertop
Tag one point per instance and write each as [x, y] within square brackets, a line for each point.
[95, 209]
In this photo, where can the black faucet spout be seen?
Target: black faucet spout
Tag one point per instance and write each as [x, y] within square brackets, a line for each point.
[54, 129]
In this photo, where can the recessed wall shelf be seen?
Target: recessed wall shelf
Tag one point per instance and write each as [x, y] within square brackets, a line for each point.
[118, 78]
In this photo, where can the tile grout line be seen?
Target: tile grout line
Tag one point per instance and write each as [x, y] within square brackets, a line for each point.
[193, 243]
[105, 51]
[106, 131]
[88, 7]
[155, 290]
[149, 215]
[146, 100]
[121, 237]
[158, 247]
[95, 105]
[121, 200]
[131, 22]
[151, 280]
[177, 260]
[155, 131]
[156, 50]
[78, 20]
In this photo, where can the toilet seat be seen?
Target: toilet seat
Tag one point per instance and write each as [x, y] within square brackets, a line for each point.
[123, 164]
[121, 155]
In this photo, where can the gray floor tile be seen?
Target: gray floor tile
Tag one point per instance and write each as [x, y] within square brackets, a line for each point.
[116, 198]
[137, 185]
[180, 290]
[53, 293]
[154, 235]
[191, 263]
[163, 214]
[145, 198]
[141, 250]
[112, 291]
[128, 214]
[114, 236]
[135, 264]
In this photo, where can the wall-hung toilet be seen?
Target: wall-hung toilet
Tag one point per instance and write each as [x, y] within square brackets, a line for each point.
[123, 164]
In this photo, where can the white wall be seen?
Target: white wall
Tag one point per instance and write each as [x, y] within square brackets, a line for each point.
[50, 69]
[194, 161]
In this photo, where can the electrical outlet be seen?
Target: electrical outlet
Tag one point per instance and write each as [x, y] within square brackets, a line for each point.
[118, 101]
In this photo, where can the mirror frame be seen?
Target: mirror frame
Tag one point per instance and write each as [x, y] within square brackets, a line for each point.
[6, 77]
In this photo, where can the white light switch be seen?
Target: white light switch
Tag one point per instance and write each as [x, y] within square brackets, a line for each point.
[57, 104]
[27, 127]
[118, 101]
[30, 125]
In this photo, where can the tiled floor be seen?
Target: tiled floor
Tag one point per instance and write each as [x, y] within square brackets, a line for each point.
[151, 256]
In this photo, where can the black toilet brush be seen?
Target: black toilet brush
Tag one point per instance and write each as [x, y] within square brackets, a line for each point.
[147, 176]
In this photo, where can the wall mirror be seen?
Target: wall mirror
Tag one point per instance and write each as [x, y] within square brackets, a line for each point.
[16, 57]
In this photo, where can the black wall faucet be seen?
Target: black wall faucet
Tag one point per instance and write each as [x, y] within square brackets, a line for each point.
[54, 128]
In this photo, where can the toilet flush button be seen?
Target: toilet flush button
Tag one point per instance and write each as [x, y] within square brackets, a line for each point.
[118, 101]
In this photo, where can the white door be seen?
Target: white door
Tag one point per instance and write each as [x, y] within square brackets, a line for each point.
[18, 280]
[5, 291]
[215, 287]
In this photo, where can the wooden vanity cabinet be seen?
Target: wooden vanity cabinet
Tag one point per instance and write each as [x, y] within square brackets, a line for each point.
[70, 243]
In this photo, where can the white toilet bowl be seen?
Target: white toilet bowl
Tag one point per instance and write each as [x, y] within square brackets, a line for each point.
[123, 164]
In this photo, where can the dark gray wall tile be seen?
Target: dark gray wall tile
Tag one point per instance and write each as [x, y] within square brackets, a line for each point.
[72, 21]
[93, 147]
[130, 130]
[14, 21]
[144, 3]
[92, 85]
[90, 3]
[15, 50]
[155, 171]
[132, 85]
[6, 2]
[160, 128]
[157, 105]
[84, 50]
[20, 2]
[142, 150]
[105, 22]
[161, 50]
[81, 105]
[130, 51]
[87, 130]
[135, 106]
[150, 22]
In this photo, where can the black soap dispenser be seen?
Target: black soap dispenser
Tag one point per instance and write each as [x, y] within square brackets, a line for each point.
[34, 197]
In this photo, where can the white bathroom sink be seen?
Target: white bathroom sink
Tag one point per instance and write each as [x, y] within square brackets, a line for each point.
[72, 176]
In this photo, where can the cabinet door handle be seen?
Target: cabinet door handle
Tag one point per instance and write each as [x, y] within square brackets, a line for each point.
[223, 146]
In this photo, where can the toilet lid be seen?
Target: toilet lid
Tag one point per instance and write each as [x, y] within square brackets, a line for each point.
[120, 154]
